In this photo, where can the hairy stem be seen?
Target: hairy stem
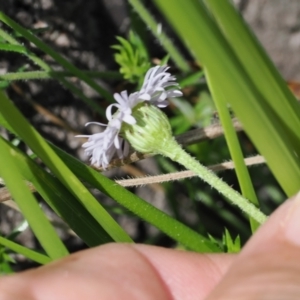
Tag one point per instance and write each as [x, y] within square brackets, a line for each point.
[172, 150]
[31, 75]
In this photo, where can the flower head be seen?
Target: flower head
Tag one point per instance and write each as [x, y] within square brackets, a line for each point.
[157, 87]
[124, 106]
[156, 81]
[103, 146]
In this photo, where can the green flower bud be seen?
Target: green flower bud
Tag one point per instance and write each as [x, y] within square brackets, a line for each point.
[152, 132]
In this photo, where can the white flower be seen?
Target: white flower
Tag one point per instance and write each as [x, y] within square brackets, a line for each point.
[102, 147]
[124, 106]
[155, 83]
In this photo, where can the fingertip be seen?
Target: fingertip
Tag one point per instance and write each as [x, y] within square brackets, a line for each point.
[187, 275]
[269, 263]
[291, 222]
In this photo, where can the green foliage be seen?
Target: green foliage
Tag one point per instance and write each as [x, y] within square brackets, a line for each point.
[231, 245]
[5, 261]
[164, 40]
[133, 58]
[22, 128]
[228, 244]
[44, 232]
[31, 254]
[246, 78]
[190, 115]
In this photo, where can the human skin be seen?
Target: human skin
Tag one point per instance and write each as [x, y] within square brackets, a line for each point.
[268, 267]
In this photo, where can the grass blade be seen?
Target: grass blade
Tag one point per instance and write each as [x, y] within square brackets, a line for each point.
[42, 64]
[173, 228]
[33, 255]
[38, 222]
[160, 35]
[38, 75]
[57, 57]
[234, 147]
[61, 200]
[272, 137]
[257, 64]
[41, 148]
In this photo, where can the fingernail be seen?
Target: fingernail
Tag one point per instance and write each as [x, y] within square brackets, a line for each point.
[291, 223]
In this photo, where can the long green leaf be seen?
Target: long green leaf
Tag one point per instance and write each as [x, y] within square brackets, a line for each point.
[27, 203]
[37, 75]
[234, 147]
[257, 63]
[13, 48]
[33, 255]
[272, 137]
[176, 230]
[41, 63]
[156, 30]
[40, 147]
[60, 200]
[57, 57]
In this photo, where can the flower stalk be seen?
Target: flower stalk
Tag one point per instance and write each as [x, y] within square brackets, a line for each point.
[152, 134]
[139, 121]
[176, 153]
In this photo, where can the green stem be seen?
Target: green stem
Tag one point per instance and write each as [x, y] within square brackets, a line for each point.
[30, 75]
[28, 205]
[160, 35]
[31, 254]
[172, 150]
[24, 50]
[35, 59]
[57, 57]
[47, 68]
[235, 150]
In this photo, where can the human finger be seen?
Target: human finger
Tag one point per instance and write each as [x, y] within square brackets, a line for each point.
[120, 271]
[269, 265]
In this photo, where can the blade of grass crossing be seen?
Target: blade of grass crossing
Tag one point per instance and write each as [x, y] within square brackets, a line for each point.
[42, 64]
[173, 228]
[273, 140]
[40, 147]
[160, 35]
[38, 222]
[33, 255]
[234, 147]
[60, 200]
[258, 65]
[38, 75]
[57, 57]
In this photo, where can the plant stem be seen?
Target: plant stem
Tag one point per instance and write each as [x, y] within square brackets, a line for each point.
[234, 146]
[172, 150]
[30, 75]
[160, 35]
[57, 57]
[35, 59]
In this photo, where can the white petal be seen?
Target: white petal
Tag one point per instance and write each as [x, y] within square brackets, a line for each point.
[117, 142]
[96, 123]
[145, 97]
[109, 112]
[129, 119]
[120, 98]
